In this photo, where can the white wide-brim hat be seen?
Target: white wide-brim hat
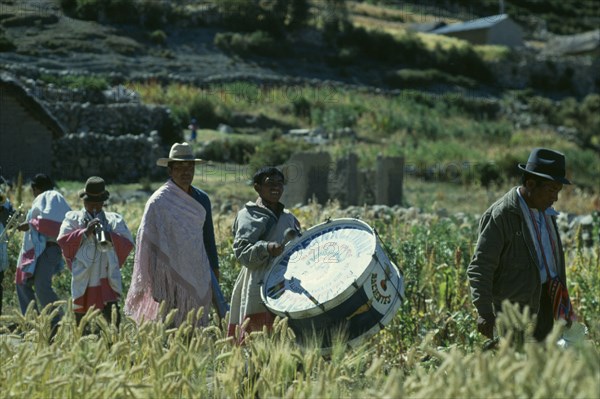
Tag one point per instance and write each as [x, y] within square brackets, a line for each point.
[179, 152]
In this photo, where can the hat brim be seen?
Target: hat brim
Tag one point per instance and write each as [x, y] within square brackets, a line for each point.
[558, 179]
[94, 198]
[165, 161]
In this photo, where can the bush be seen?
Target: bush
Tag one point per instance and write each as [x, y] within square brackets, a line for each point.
[180, 116]
[153, 14]
[274, 152]
[158, 37]
[335, 117]
[121, 11]
[256, 43]
[89, 9]
[81, 82]
[6, 44]
[171, 132]
[235, 151]
[416, 78]
[150, 13]
[273, 17]
[301, 107]
[410, 51]
[204, 111]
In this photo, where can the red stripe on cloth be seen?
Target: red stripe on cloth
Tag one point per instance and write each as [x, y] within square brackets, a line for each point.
[27, 258]
[47, 227]
[21, 276]
[122, 247]
[70, 243]
[96, 296]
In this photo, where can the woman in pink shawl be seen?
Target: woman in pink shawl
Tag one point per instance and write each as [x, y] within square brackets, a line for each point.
[175, 246]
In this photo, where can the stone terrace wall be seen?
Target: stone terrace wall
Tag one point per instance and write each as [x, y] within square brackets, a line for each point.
[110, 133]
[126, 158]
[111, 119]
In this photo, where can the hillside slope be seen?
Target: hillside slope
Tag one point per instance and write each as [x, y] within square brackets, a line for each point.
[37, 34]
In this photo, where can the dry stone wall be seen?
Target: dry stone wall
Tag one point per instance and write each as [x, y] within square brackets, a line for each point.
[126, 158]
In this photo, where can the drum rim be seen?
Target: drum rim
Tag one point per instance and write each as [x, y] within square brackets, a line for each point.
[343, 296]
[385, 320]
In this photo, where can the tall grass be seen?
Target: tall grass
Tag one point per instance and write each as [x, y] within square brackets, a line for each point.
[430, 349]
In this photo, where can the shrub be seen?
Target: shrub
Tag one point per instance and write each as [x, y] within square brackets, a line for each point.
[335, 117]
[6, 44]
[256, 43]
[171, 132]
[158, 37]
[153, 14]
[271, 16]
[410, 51]
[301, 107]
[377, 45]
[235, 151]
[478, 108]
[180, 116]
[274, 152]
[81, 82]
[460, 60]
[121, 11]
[204, 111]
[415, 78]
[89, 9]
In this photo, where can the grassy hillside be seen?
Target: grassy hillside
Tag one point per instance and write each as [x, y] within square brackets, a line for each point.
[560, 17]
[435, 133]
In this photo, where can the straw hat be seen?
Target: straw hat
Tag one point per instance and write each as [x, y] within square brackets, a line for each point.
[179, 152]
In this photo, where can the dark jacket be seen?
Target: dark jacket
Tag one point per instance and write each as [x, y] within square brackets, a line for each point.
[505, 265]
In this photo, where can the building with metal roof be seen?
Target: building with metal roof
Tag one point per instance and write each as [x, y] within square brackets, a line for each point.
[495, 29]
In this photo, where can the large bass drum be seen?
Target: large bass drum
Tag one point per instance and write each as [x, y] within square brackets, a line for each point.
[334, 278]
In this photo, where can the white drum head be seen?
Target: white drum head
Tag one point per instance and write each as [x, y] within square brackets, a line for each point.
[320, 269]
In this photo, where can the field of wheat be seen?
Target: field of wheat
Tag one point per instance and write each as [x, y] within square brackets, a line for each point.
[429, 349]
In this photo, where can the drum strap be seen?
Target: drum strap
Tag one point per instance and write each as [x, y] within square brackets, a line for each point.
[394, 262]
[387, 251]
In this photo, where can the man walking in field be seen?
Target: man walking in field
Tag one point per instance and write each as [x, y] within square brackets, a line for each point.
[519, 255]
[95, 244]
[176, 247]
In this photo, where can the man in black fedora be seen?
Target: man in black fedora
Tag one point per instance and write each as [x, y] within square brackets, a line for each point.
[519, 249]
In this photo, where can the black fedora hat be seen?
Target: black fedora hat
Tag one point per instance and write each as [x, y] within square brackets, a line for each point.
[95, 190]
[42, 182]
[546, 163]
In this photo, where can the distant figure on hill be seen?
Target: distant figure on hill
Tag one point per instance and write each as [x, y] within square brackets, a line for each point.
[193, 126]
[176, 247]
[519, 255]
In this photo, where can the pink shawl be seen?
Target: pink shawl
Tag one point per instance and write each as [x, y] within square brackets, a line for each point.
[170, 264]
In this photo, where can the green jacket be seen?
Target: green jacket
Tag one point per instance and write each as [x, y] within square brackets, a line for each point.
[504, 265]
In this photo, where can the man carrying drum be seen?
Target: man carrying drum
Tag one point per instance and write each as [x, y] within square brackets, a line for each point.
[260, 229]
